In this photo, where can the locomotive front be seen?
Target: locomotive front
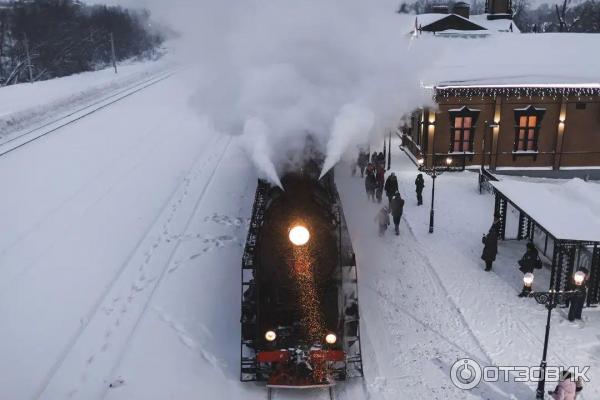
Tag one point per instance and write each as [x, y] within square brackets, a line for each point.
[297, 312]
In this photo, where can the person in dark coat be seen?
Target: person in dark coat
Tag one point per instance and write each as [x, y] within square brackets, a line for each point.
[363, 160]
[374, 158]
[527, 264]
[397, 207]
[381, 159]
[420, 185]
[370, 183]
[380, 179]
[577, 302]
[490, 242]
[391, 187]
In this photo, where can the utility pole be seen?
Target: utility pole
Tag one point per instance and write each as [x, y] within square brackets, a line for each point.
[29, 66]
[112, 50]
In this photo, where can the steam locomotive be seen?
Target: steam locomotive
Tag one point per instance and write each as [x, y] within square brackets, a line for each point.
[300, 316]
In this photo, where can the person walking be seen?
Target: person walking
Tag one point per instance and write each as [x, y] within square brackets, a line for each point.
[577, 302]
[379, 179]
[490, 242]
[420, 185]
[566, 388]
[374, 158]
[527, 264]
[370, 183]
[397, 207]
[381, 159]
[363, 160]
[383, 219]
[391, 187]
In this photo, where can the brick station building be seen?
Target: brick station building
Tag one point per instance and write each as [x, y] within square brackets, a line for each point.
[544, 128]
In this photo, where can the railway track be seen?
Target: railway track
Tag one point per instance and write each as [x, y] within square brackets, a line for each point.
[53, 126]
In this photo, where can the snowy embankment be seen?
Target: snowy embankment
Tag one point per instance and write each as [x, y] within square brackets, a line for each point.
[25, 105]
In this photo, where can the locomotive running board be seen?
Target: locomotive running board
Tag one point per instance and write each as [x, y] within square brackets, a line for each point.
[330, 387]
[302, 387]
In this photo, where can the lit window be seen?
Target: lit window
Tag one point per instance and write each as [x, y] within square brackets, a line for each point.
[462, 129]
[527, 129]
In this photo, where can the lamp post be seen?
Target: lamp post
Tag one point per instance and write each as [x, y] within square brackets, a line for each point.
[551, 299]
[433, 172]
[489, 128]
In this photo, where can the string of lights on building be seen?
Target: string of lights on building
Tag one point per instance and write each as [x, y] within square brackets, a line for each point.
[473, 92]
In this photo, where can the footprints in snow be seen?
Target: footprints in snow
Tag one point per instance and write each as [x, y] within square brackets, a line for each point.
[188, 341]
[226, 220]
[210, 244]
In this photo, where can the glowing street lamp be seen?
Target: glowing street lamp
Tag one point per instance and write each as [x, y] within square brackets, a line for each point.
[299, 235]
[579, 277]
[528, 280]
[551, 299]
[433, 172]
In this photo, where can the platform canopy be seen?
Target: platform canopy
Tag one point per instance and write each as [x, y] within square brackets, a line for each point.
[566, 209]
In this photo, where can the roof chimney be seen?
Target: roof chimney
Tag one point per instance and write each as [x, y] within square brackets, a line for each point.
[463, 9]
[498, 9]
[439, 9]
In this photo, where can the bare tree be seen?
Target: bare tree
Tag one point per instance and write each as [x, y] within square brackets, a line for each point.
[518, 7]
[561, 15]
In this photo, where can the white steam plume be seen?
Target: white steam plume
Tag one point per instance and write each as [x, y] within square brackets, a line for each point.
[351, 126]
[295, 64]
[254, 141]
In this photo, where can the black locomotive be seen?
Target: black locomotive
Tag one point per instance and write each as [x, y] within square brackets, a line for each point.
[300, 319]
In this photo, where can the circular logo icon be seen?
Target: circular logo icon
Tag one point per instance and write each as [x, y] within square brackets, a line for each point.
[465, 374]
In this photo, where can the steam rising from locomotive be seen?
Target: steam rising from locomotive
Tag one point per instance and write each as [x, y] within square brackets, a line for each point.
[300, 325]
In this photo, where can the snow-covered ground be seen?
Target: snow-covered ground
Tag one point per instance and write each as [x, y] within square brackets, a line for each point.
[120, 264]
[25, 104]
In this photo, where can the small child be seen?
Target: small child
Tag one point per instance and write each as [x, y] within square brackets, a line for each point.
[383, 219]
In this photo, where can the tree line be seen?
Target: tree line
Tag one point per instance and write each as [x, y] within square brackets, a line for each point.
[44, 39]
[583, 16]
[568, 16]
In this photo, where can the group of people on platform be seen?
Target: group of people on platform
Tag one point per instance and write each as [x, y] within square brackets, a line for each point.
[372, 169]
[528, 264]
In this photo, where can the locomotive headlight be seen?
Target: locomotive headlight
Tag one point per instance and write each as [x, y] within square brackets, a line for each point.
[299, 235]
[270, 336]
[331, 338]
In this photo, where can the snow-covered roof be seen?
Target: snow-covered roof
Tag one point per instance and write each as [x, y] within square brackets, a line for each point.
[428, 19]
[526, 60]
[567, 209]
[487, 26]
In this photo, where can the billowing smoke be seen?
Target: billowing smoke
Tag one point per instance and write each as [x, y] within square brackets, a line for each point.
[340, 71]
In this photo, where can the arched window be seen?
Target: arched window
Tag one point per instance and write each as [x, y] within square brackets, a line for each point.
[462, 129]
[528, 122]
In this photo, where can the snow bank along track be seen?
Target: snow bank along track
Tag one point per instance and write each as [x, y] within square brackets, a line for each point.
[96, 349]
[52, 126]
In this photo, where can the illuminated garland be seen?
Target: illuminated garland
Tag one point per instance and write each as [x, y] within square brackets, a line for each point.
[555, 93]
